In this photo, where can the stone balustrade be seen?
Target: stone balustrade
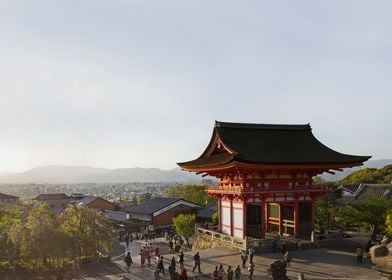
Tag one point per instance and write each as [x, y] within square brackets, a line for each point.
[220, 239]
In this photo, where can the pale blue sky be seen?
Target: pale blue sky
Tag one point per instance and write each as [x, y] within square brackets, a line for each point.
[140, 83]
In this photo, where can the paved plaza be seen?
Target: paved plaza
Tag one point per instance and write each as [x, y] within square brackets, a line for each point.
[317, 263]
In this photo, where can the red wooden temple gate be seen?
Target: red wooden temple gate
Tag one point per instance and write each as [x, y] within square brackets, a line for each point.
[265, 174]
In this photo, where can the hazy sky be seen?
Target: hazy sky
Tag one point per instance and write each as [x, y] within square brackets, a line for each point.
[140, 83]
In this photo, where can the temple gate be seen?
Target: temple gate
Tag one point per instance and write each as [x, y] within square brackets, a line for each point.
[265, 174]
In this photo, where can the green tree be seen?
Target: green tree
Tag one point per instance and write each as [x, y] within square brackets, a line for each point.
[370, 175]
[86, 231]
[41, 226]
[326, 204]
[388, 224]
[215, 218]
[369, 212]
[17, 234]
[367, 175]
[184, 226]
[8, 216]
[193, 193]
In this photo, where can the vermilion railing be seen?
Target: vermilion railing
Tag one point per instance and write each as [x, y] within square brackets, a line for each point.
[270, 189]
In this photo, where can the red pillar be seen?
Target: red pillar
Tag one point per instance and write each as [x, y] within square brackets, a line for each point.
[231, 217]
[313, 214]
[220, 214]
[296, 221]
[262, 214]
[244, 218]
[266, 216]
[280, 220]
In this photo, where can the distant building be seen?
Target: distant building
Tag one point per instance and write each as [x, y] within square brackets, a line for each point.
[123, 219]
[205, 214]
[96, 202]
[365, 190]
[56, 201]
[77, 196]
[348, 191]
[159, 212]
[6, 199]
[208, 182]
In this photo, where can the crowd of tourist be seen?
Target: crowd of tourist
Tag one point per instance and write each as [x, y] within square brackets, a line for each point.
[150, 255]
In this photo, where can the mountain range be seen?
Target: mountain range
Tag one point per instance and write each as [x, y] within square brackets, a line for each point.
[347, 171]
[86, 174]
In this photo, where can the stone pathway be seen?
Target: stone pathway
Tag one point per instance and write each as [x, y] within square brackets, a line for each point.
[313, 263]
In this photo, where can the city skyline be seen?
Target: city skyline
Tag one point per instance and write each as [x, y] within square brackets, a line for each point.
[137, 83]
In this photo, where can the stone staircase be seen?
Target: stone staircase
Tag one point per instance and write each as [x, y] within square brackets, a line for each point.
[292, 244]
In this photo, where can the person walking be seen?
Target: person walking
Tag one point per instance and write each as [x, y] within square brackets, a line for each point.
[173, 262]
[127, 240]
[181, 259]
[287, 259]
[359, 252]
[128, 261]
[251, 269]
[244, 257]
[142, 258]
[196, 258]
[171, 249]
[237, 273]
[160, 267]
[215, 274]
[172, 271]
[367, 248]
[148, 255]
[183, 275]
[251, 253]
[221, 272]
[230, 273]
[274, 243]
[284, 249]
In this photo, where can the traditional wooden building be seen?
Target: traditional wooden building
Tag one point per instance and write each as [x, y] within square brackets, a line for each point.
[265, 174]
[99, 203]
[160, 211]
[56, 201]
[7, 199]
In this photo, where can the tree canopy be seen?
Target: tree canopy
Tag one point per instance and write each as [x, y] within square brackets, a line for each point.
[370, 175]
[388, 224]
[184, 225]
[370, 211]
[43, 238]
[192, 193]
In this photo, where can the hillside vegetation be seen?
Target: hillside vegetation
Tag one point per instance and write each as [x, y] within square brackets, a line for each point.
[370, 175]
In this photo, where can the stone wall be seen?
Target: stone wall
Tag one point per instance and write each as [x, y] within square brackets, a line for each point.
[203, 242]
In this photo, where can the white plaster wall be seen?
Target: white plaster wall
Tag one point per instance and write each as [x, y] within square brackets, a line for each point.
[225, 216]
[238, 233]
[226, 203]
[225, 230]
[237, 218]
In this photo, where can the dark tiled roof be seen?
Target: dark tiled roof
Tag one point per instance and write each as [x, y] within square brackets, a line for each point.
[49, 196]
[153, 205]
[3, 195]
[127, 208]
[207, 212]
[87, 200]
[268, 144]
[365, 190]
[350, 188]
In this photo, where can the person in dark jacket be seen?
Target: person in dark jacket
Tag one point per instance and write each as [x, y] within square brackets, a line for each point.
[196, 258]
[128, 261]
